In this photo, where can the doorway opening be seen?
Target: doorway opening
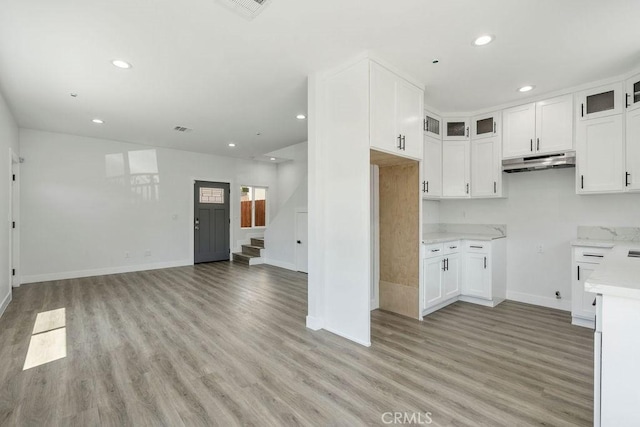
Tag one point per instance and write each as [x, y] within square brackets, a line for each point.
[211, 221]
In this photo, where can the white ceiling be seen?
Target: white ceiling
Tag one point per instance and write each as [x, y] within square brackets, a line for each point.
[199, 65]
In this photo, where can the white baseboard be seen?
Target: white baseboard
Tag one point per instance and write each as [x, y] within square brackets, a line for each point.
[559, 304]
[314, 323]
[355, 340]
[5, 303]
[102, 271]
[281, 264]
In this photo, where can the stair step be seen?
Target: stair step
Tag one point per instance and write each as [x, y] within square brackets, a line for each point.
[259, 242]
[252, 250]
[247, 259]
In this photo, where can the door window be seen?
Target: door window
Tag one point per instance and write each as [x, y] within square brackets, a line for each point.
[253, 206]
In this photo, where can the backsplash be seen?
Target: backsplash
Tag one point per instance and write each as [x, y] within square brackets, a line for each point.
[499, 229]
[616, 234]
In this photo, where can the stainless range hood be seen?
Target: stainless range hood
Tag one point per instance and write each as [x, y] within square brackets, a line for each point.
[536, 163]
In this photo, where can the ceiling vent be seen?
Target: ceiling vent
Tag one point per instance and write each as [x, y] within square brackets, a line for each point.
[182, 129]
[247, 8]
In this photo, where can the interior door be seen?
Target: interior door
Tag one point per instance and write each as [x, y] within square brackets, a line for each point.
[211, 222]
[302, 244]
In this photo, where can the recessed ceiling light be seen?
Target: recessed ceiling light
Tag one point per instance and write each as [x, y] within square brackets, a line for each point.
[483, 40]
[98, 121]
[121, 64]
[301, 117]
[525, 88]
[273, 159]
[231, 144]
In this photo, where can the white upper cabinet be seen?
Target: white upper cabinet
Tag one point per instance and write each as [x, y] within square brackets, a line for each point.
[632, 181]
[486, 167]
[432, 125]
[456, 162]
[632, 100]
[543, 127]
[456, 129]
[485, 126]
[601, 101]
[519, 131]
[600, 155]
[432, 167]
[554, 124]
[396, 114]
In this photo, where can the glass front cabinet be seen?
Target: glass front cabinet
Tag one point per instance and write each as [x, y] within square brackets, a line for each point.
[600, 102]
[456, 129]
[485, 126]
[633, 93]
[432, 125]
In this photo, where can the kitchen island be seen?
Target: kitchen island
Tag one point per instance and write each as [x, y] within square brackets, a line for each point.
[616, 282]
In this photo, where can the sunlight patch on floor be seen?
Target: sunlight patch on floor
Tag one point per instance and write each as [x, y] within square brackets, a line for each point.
[48, 320]
[48, 339]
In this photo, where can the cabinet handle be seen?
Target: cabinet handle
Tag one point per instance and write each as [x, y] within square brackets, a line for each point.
[626, 179]
[538, 144]
[495, 187]
[578, 273]
[435, 250]
[476, 247]
[626, 102]
[444, 265]
[594, 255]
[427, 186]
[582, 182]
[424, 186]
[494, 127]
[400, 142]
[467, 131]
[485, 263]
[582, 110]
[594, 302]
[447, 264]
[424, 125]
[404, 142]
[453, 247]
[531, 144]
[467, 188]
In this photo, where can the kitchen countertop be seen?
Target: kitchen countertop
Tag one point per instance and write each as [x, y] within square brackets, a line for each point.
[608, 244]
[431, 238]
[618, 275]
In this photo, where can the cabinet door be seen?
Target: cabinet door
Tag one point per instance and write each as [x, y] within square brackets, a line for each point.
[582, 301]
[384, 130]
[432, 125]
[432, 164]
[486, 126]
[477, 277]
[451, 276]
[601, 101]
[410, 110]
[486, 168]
[455, 169]
[632, 96]
[432, 270]
[554, 125]
[456, 129]
[518, 131]
[600, 155]
[633, 150]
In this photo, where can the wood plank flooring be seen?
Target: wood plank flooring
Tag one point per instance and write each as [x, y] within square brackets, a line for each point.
[226, 344]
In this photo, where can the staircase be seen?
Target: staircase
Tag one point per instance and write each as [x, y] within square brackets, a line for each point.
[251, 254]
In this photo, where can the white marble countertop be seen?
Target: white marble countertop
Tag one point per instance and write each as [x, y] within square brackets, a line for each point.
[431, 238]
[618, 275]
[591, 243]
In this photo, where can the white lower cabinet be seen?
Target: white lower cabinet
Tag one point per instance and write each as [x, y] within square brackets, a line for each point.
[585, 260]
[468, 270]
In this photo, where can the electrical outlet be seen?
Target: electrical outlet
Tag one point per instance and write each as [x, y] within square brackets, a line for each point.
[540, 249]
[147, 253]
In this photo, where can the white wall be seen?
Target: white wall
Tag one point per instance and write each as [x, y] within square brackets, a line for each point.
[543, 209]
[292, 186]
[80, 214]
[8, 141]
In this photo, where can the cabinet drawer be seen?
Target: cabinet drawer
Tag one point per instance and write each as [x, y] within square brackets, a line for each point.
[434, 250]
[591, 255]
[481, 247]
[452, 247]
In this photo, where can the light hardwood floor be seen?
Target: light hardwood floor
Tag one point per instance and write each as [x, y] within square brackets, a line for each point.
[224, 344]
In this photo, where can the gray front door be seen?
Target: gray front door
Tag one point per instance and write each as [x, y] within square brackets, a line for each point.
[211, 221]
